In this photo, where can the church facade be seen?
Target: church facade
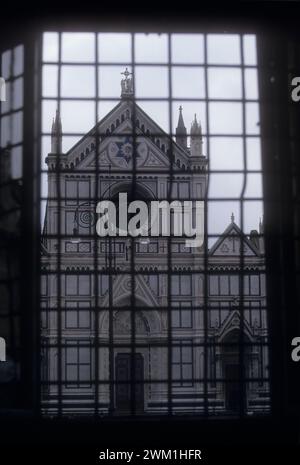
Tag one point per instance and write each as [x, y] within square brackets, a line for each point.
[145, 324]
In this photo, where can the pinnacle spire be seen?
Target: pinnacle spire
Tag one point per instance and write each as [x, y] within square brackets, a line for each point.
[180, 124]
[196, 127]
[196, 138]
[232, 217]
[261, 225]
[181, 135]
[56, 134]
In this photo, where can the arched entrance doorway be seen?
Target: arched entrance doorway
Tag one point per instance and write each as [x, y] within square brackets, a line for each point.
[129, 394]
[130, 366]
[230, 356]
[120, 364]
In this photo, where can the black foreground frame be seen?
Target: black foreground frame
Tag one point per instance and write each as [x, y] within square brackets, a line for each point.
[278, 60]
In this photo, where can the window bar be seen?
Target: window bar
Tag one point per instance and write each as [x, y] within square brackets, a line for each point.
[132, 242]
[241, 377]
[169, 238]
[10, 307]
[206, 237]
[37, 144]
[59, 265]
[111, 316]
[96, 346]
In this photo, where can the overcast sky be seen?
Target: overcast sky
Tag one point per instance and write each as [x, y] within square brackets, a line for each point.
[226, 153]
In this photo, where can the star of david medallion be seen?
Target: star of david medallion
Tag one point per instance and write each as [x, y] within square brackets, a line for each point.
[122, 151]
[125, 149]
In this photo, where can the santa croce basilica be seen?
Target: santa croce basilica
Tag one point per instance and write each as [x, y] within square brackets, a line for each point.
[146, 325]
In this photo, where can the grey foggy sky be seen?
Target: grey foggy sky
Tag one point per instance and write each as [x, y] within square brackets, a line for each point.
[226, 153]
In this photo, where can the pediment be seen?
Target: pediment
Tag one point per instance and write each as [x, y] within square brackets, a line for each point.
[230, 243]
[117, 149]
[122, 289]
[233, 323]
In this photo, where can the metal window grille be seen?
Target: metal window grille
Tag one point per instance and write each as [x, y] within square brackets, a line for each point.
[137, 357]
[11, 154]
[119, 356]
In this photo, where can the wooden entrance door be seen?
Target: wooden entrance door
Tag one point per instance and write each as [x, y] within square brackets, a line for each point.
[123, 375]
[232, 387]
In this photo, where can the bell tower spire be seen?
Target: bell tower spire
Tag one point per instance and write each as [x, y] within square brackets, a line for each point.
[181, 136]
[56, 134]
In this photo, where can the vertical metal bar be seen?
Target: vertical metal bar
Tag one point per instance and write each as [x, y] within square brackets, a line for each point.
[30, 231]
[132, 241]
[38, 150]
[206, 236]
[111, 320]
[59, 245]
[169, 241]
[96, 345]
[243, 386]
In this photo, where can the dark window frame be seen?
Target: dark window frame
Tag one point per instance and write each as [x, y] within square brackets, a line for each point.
[274, 53]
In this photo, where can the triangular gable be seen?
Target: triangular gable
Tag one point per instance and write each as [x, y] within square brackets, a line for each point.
[122, 290]
[115, 149]
[229, 244]
[233, 322]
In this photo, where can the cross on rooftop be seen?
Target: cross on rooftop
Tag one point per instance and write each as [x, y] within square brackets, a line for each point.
[126, 73]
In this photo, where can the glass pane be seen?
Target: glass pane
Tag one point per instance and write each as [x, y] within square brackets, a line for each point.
[225, 83]
[114, 48]
[145, 77]
[195, 78]
[77, 81]
[219, 121]
[223, 49]
[18, 60]
[78, 47]
[187, 48]
[151, 48]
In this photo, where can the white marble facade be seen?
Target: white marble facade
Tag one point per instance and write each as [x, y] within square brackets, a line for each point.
[69, 315]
